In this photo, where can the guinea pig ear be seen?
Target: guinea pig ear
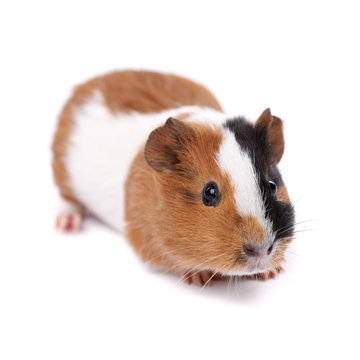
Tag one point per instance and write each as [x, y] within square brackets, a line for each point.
[164, 145]
[274, 127]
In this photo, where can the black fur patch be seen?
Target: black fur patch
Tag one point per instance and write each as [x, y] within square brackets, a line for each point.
[254, 141]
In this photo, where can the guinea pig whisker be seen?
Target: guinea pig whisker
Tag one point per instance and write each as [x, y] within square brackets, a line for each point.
[237, 285]
[305, 221]
[208, 281]
[293, 253]
[294, 232]
[285, 229]
[304, 230]
[292, 226]
[190, 272]
[231, 281]
[215, 272]
[218, 271]
[278, 234]
[295, 201]
[226, 271]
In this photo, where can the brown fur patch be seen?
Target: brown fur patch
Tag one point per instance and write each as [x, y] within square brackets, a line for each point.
[59, 149]
[253, 232]
[146, 92]
[172, 228]
[282, 194]
[124, 91]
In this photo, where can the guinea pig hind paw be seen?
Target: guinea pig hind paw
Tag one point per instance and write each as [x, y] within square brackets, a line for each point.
[68, 222]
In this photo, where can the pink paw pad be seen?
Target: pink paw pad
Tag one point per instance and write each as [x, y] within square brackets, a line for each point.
[68, 222]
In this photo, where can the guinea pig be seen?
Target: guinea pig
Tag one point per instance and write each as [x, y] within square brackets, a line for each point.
[195, 191]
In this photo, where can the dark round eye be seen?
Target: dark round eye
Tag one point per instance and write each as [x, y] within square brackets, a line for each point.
[273, 187]
[210, 194]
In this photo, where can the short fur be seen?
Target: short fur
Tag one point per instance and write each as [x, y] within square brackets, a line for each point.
[160, 139]
[125, 92]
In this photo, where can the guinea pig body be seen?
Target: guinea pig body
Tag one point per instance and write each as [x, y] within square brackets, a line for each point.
[194, 189]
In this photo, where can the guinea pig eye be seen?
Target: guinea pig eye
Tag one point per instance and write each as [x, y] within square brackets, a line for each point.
[210, 194]
[273, 187]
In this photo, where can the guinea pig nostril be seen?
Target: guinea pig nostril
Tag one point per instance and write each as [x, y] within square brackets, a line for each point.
[269, 250]
[249, 250]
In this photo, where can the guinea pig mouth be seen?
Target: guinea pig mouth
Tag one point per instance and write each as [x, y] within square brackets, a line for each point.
[258, 265]
[254, 266]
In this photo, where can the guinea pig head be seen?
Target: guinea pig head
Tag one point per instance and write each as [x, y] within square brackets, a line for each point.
[222, 203]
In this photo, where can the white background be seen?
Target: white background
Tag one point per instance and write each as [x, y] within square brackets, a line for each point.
[87, 296]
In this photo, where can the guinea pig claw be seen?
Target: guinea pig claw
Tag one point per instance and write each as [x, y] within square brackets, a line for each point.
[68, 222]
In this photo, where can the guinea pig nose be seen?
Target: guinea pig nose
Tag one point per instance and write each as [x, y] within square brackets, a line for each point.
[250, 250]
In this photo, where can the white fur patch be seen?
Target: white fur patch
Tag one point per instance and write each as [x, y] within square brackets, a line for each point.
[237, 164]
[102, 146]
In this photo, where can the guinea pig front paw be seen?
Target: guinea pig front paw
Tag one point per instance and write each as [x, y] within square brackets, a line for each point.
[265, 275]
[200, 278]
[68, 222]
